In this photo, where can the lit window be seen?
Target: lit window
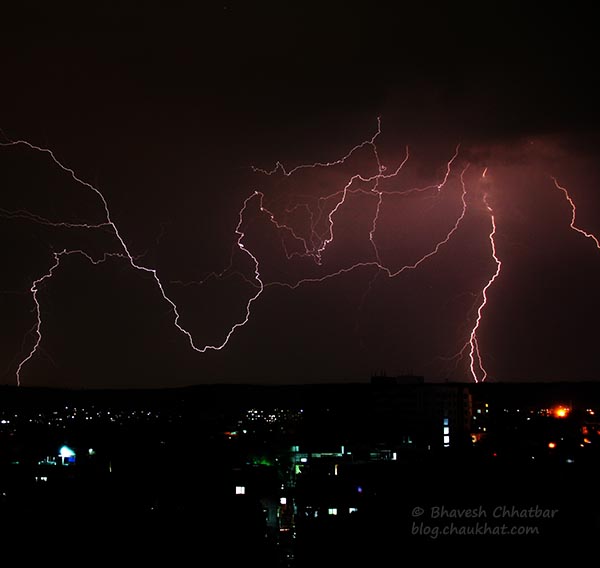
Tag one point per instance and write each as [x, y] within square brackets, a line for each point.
[240, 490]
[446, 440]
[332, 511]
[283, 501]
[446, 422]
[352, 510]
[446, 430]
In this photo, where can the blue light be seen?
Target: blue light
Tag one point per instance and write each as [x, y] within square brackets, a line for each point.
[66, 452]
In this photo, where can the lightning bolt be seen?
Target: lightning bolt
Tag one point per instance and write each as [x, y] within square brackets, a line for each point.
[574, 215]
[108, 223]
[474, 352]
[35, 288]
[476, 367]
[39, 220]
[314, 246]
[316, 251]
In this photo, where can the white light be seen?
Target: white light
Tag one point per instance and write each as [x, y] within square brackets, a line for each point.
[240, 490]
[66, 452]
[332, 511]
[446, 430]
[283, 500]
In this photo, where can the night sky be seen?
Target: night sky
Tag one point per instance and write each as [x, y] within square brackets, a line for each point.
[166, 109]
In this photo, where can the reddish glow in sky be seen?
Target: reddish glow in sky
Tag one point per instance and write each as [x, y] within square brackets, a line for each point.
[382, 255]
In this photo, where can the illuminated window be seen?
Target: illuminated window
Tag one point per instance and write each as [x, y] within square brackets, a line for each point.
[446, 441]
[332, 511]
[240, 490]
[446, 422]
[446, 430]
[352, 510]
[283, 501]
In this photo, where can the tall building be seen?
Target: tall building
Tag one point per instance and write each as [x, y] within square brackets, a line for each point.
[430, 415]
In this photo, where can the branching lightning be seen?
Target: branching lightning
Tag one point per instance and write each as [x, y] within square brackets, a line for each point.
[476, 367]
[311, 243]
[475, 360]
[35, 288]
[314, 248]
[108, 223]
[574, 215]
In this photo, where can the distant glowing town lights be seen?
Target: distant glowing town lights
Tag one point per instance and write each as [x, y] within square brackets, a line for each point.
[561, 412]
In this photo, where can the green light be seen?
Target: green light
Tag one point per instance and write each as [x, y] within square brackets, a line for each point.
[261, 460]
